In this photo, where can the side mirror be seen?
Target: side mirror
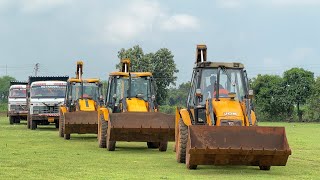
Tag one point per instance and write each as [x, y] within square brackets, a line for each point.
[198, 93]
[250, 93]
[114, 96]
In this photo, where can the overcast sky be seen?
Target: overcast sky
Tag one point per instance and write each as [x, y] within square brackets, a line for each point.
[268, 36]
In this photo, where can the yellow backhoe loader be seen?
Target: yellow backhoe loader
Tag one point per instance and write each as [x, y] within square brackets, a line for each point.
[79, 113]
[219, 125]
[131, 112]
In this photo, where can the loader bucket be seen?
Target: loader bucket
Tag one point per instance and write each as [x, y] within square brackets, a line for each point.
[141, 127]
[81, 122]
[230, 145]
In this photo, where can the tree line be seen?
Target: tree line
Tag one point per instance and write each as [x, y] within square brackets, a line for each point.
[294, 96]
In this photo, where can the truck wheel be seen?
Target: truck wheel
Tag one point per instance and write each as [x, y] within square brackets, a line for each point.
[17, 120]
[182, 142]
[153, 145]
[163, 146]
[61, 121]
[265, 168]
[11, 120]
[66, 136]
[33, 125]
[102, 135]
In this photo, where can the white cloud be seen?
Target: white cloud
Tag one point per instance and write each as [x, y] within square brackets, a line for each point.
[136, 18]
[180, 22]
[139, 18]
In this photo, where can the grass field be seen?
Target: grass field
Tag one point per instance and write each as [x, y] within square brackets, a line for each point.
[41, 154]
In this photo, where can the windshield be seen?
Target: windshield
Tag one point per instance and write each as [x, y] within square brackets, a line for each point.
[90, 90]
[48, 91]
[18, 93]
[230, 82]
[139, 86]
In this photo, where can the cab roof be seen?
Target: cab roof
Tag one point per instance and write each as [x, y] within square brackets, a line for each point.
[89, 80]
[133, 74]
[233, 65]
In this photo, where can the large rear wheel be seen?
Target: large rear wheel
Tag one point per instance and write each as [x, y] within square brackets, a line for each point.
[163, 146]
[102, 135]
[111, 145]
[153, 145]
[66, 136]
[182, 142]
[61, 122]
[265, 168]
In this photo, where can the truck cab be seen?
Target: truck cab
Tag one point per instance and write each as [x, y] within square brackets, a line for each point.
[17, 102]
[44, 101]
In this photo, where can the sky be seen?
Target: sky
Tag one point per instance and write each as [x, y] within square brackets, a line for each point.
[267, 36]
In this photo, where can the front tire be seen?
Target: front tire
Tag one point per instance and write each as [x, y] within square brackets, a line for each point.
[61, 122]
[102, 138]
[182, 142]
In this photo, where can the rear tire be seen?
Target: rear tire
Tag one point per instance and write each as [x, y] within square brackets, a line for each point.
[61, 122]
[33, 125]
[102, 138]
[111, 145]
[17, 120]
[265, 168]
[153, 145]
[11, 120]
[191, 166]
[163, 146]
[66, 136]
[182, 142]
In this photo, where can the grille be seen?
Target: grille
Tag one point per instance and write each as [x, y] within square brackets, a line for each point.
[18, 107]
[230, 122]
[45, 109]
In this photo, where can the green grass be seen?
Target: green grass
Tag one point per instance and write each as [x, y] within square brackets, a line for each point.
[41, 154]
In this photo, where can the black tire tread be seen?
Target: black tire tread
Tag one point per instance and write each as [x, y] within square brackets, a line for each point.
[103, 133]
[183, 139]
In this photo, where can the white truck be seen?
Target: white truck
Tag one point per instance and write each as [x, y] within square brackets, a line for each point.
[17, 102]
[45, 96]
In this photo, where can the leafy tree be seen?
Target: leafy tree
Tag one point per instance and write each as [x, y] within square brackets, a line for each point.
[271, 99]
[313, 103]
[178, 96]
[163, 71]
[299, 84]
[160, 63]
[4, 87]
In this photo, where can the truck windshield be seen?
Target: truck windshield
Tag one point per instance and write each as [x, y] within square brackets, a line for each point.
[230, 82]
[139, 86]
[18, 93]
[48, 91]
[90, 90]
